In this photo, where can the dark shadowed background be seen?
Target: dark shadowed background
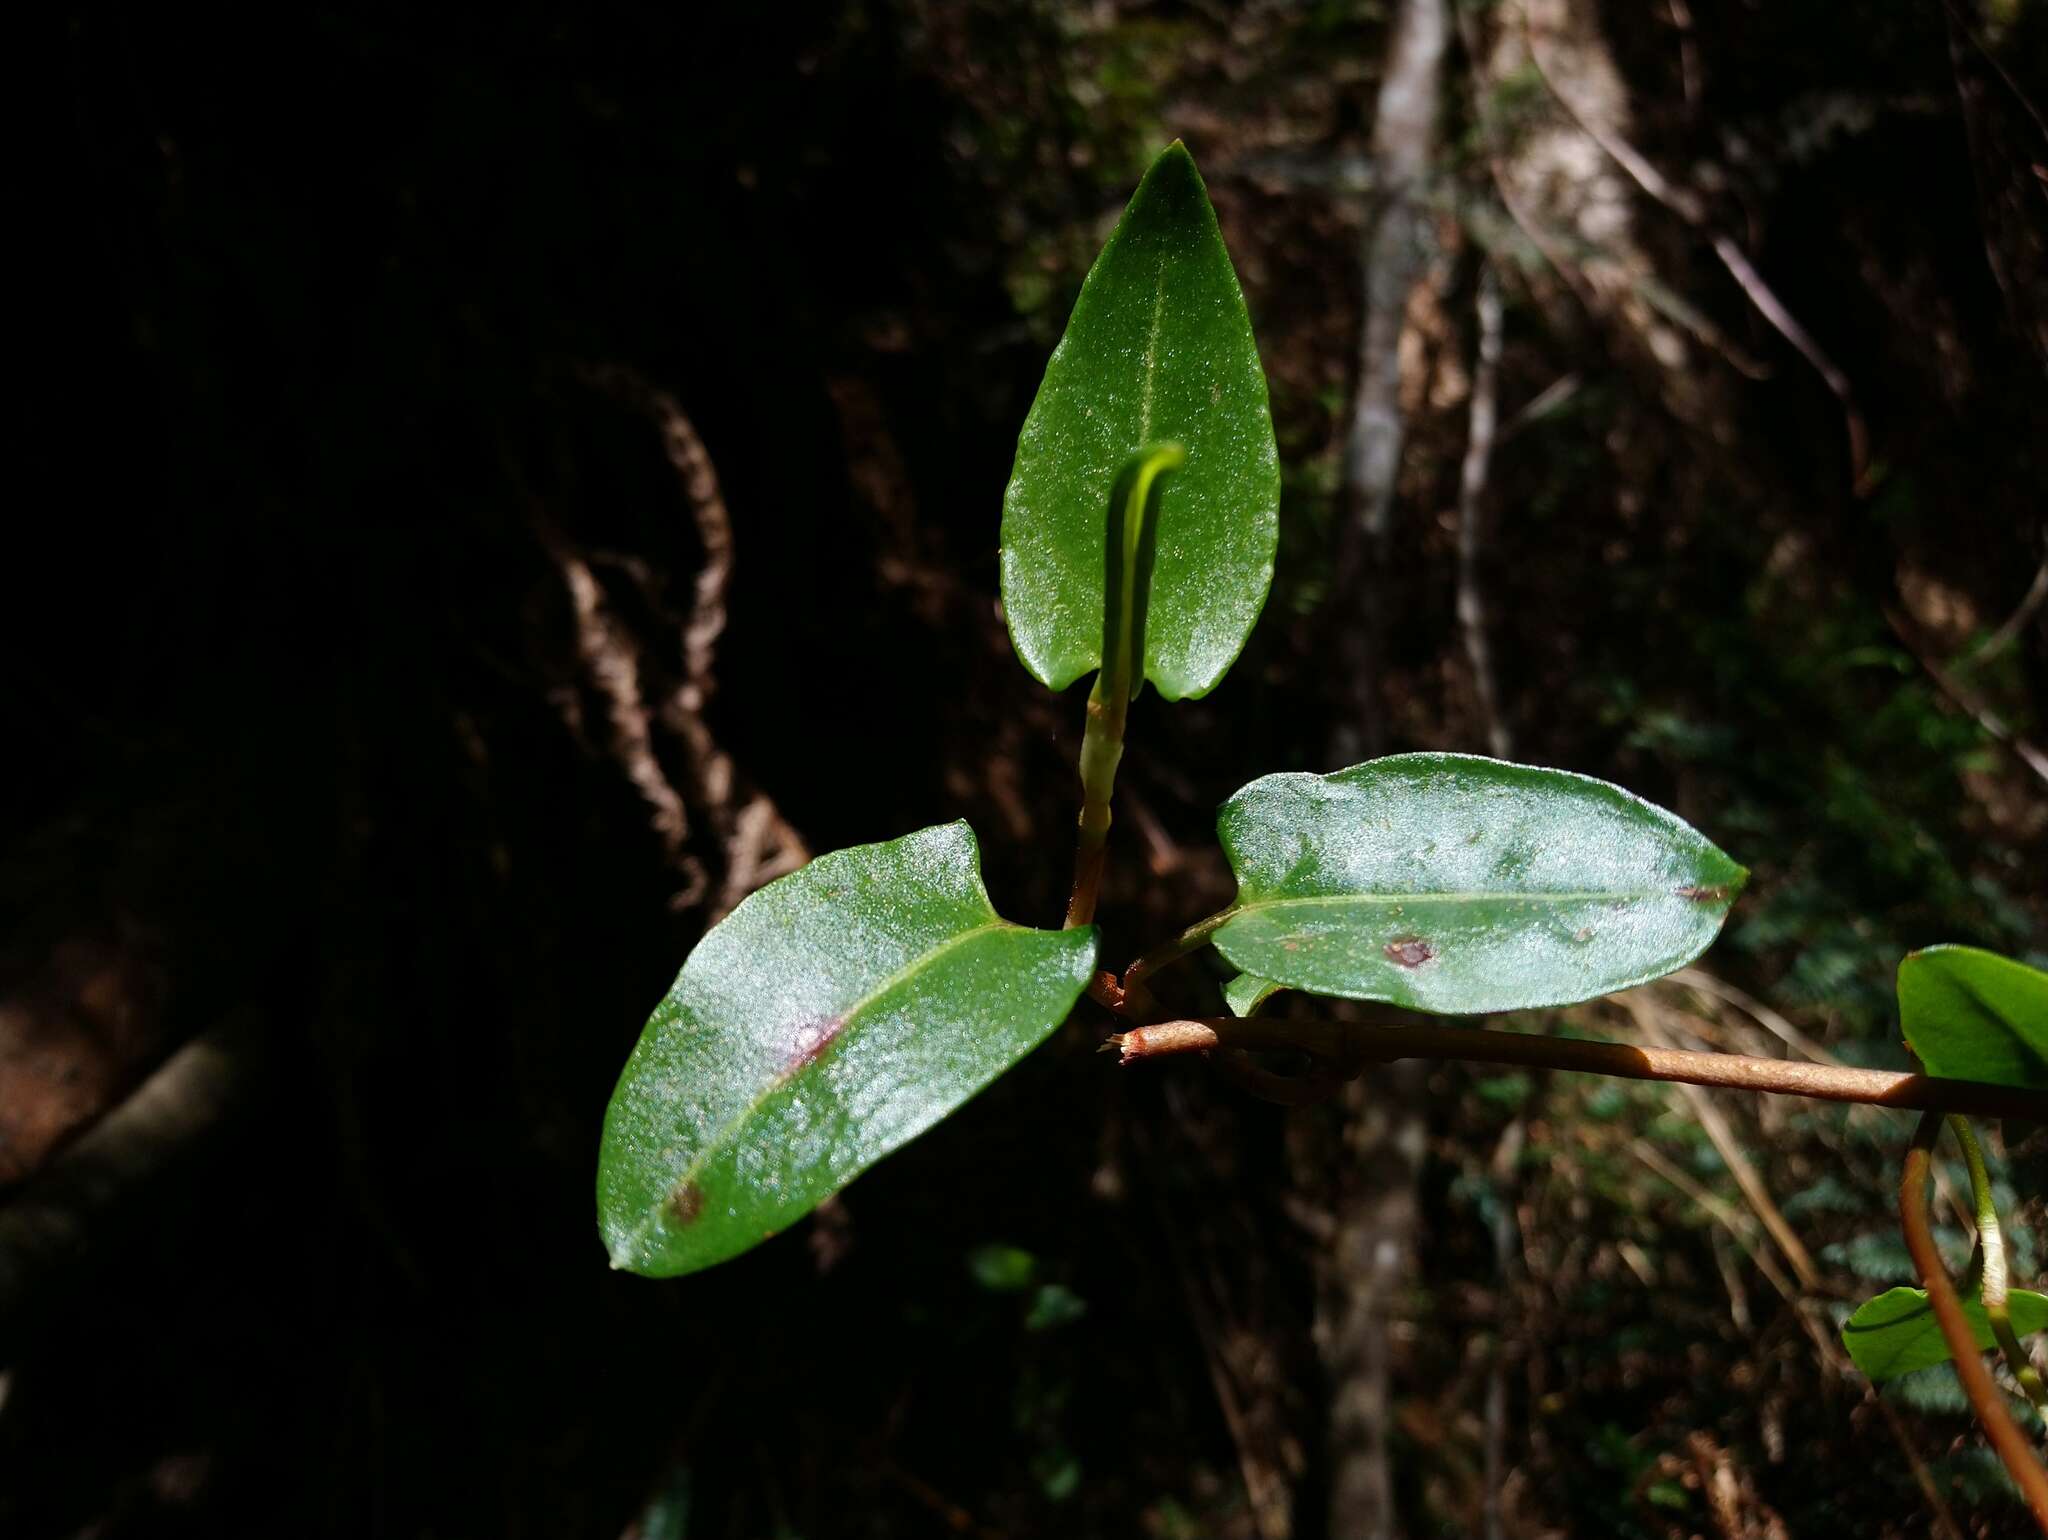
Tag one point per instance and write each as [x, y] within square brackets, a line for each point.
[514, 479]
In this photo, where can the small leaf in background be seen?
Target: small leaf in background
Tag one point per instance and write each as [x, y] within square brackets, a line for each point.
[1054, 1305]
[836, 1014]
[1974, 1015]
[1159, 348]
[1002, 1269]
[1460, 885]
[1058, 1473]
[1247, 992]
[1896, 1332]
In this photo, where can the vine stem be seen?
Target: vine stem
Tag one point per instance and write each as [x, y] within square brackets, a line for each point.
[2005, 1435]
[1994, 1278]
[1102, 749]
[1355, 1044]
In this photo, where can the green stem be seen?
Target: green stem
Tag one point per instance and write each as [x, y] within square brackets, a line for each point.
[1132, 524]
[1102, 749]
[1992, 1286]
[1189, 940]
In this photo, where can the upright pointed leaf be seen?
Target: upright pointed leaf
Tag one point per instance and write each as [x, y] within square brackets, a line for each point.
[1159, 348]
[1896, 1332]
[1460, 885]
[836, 1014]
[1973, 1015]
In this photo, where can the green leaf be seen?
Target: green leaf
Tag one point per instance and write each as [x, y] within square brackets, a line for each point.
[1896, 1332]
[1459, 885]
[1247, 992]
[1973, 1015]
[835, 1015]
[1002, 1269]
[1159, 348]
[1054, 1305]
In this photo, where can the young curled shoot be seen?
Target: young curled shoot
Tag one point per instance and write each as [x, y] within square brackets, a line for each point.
[1129, 546]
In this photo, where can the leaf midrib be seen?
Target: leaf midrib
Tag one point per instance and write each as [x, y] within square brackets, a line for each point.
[1515, 895]
[850, 1017]
[1151, 371]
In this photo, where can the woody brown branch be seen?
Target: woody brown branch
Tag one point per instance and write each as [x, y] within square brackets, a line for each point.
[1360, 1045]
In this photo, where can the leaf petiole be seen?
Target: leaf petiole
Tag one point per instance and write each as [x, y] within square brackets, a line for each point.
[1191, 940]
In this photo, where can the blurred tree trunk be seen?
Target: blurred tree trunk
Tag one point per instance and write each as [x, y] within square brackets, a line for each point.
[1377, 1159]
[1369, 1262]
[1398, 245]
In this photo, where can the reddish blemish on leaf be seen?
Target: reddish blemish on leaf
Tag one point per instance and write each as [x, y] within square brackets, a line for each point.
[813, 1039]
[686, 1203]
[1703, 895]
[1410, 952]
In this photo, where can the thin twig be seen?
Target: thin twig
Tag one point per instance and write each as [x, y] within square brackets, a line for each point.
[1761, 1203]
[1800, 1042]
[1966, 698]
[758, 842]
[1992, 1415]
[1472, 479]
[1688, 206]
[2016, 622]
[1721, 1213]
[1961, 19]
[1944, 1521]
[1347, 1043]
[1770, 1020]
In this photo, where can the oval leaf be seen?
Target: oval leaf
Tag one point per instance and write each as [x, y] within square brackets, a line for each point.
[1896, 1332]
[836, 1014]
[1973, 1015]
[1459, 885]
[1159, 347]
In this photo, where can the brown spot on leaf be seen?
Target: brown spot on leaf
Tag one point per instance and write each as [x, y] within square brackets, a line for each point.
[813, 1039]
[686, 1203]
[1410, 952]
[1703, 895]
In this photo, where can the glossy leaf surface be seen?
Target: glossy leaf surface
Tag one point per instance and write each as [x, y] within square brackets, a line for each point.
[1159, 348]
[836, 1014]
[1896, 1332]
[1973, 1015]
[1454, 884]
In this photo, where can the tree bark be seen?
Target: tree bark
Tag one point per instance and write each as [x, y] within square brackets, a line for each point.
[1398, 244]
